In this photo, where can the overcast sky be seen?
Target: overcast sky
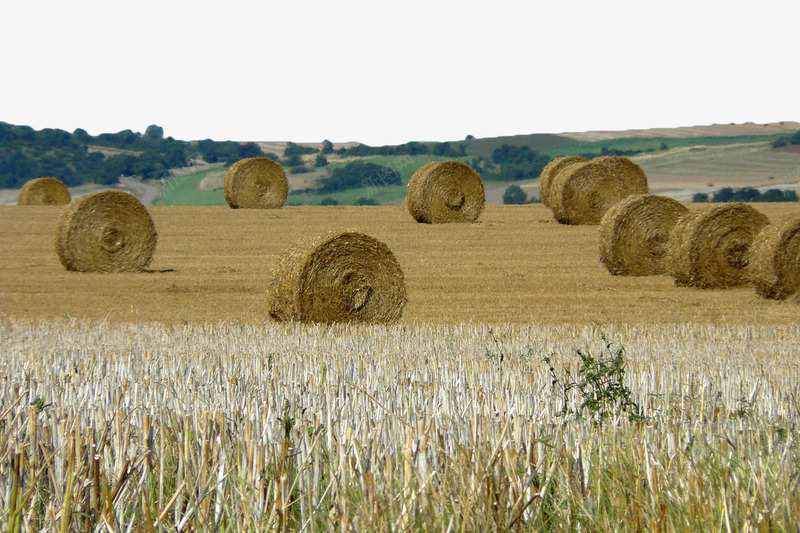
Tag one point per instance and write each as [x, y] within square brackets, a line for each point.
[391, 72]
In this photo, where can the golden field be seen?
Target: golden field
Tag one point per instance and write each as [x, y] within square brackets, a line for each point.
[515, 265]
[168, 401]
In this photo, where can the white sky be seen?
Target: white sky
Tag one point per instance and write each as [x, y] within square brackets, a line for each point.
[391, 72]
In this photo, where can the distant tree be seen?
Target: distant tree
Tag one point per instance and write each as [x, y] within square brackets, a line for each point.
[293, 160]
[775, 195]
[780, 142]
[327, 147]
[723, 195]
[445, 149]
[514, 195]
[359, 174]
[320, 160]
[329, 201]
[663, 146]
[295, 149]
[250, 149]
[299, 169]
[469, 138]
[746, 194]
[700, 198]
[208, 150]
[518, 162]
[366, 201]
[154, 132]
[82, 136]
[411, 148]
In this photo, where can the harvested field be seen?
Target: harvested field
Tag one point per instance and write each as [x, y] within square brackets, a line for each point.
[515, 265]
[273, 427]
[167, 400]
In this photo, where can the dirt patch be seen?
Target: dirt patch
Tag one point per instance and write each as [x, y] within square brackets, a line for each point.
[789, 148]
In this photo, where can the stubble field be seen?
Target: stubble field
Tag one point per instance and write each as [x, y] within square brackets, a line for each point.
[516, 265]
[168, 401]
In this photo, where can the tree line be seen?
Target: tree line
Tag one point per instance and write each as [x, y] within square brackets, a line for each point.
[746, 194]
[77, 158]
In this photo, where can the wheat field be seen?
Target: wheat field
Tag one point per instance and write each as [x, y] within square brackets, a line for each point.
[168, 401]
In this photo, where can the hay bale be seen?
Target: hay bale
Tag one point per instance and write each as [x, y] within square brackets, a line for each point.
[108, 231]
[710, 248]
[44, 191]
[338, 277]
[553, 168]
[449, 191]
[634, 234]
[775, 259]
[583, 192]
[255, 183]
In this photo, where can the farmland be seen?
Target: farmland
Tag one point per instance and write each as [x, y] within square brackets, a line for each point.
[167, 400]
[515, 265]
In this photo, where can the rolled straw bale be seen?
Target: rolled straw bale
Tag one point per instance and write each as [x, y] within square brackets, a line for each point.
[553, 168]
[583, 192]
[448, 191]
[338, 277]
[775, 259]
[44, 191]
[108, 231]
[710, 248]
[256, 183]
[634, 234]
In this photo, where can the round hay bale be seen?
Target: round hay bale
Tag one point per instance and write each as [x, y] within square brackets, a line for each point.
[44, 191]
[449, 191]
[710, 248]
[108, 231]
[339, 277]
[775, 259]
[583, 192]
[634, 234]
[255, 183]
[553, 168]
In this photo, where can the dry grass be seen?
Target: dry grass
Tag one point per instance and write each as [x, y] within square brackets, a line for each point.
[774, 261]
[175, 404]
[634, 234]
[44, 191]
[284, 427]
[213, 263]
[710, 248]
[108, 231]
[255, 183]
[446, 191]
[338, 277]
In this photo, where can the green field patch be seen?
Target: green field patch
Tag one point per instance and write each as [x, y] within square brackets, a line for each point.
[380, 195]
[183, 190]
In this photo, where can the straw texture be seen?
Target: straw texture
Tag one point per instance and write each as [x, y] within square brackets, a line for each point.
[710, 248]
[338, 277]
[634, 234]
[449, 191]
[255, 183]
[775, 259]
[583, 192]
[44, 191]
[554, 168]
[107, 231]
